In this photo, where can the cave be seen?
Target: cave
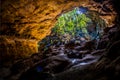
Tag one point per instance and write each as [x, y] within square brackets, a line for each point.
[59, 40]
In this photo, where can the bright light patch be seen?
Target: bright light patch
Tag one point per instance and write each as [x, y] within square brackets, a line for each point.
[83, 63]
[82, 10]
[79, 12]
[74, 60]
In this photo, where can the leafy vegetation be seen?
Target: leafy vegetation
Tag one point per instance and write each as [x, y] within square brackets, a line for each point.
[71, 23]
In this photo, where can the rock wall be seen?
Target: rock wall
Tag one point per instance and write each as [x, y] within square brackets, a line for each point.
[28, 21]
[13, 48]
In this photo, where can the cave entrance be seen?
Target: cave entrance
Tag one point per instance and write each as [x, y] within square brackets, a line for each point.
[75, 35]
[77, 25]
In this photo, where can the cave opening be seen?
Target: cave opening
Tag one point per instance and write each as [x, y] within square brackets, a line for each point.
[72, 42]
[78, 47]
[75, 34]
[77, 26]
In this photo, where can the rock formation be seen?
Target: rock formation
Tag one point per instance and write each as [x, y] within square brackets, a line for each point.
[32, 20]
[25, 22]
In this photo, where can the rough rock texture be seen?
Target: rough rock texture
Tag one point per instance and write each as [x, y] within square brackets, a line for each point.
[33, 19]
[12, 49]
[62, 62]
[17, 32]
[107, 67]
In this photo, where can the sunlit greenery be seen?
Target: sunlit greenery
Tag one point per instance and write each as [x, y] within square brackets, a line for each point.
[71, 23]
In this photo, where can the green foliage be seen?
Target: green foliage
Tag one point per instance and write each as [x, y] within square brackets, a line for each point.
[70, 23]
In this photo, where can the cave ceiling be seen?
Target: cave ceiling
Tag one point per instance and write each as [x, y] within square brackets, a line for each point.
[33, 19]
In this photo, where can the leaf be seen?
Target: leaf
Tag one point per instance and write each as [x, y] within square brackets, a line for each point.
[82, 24]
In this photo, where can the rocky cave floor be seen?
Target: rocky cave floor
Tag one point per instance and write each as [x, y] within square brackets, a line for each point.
[91, 60]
